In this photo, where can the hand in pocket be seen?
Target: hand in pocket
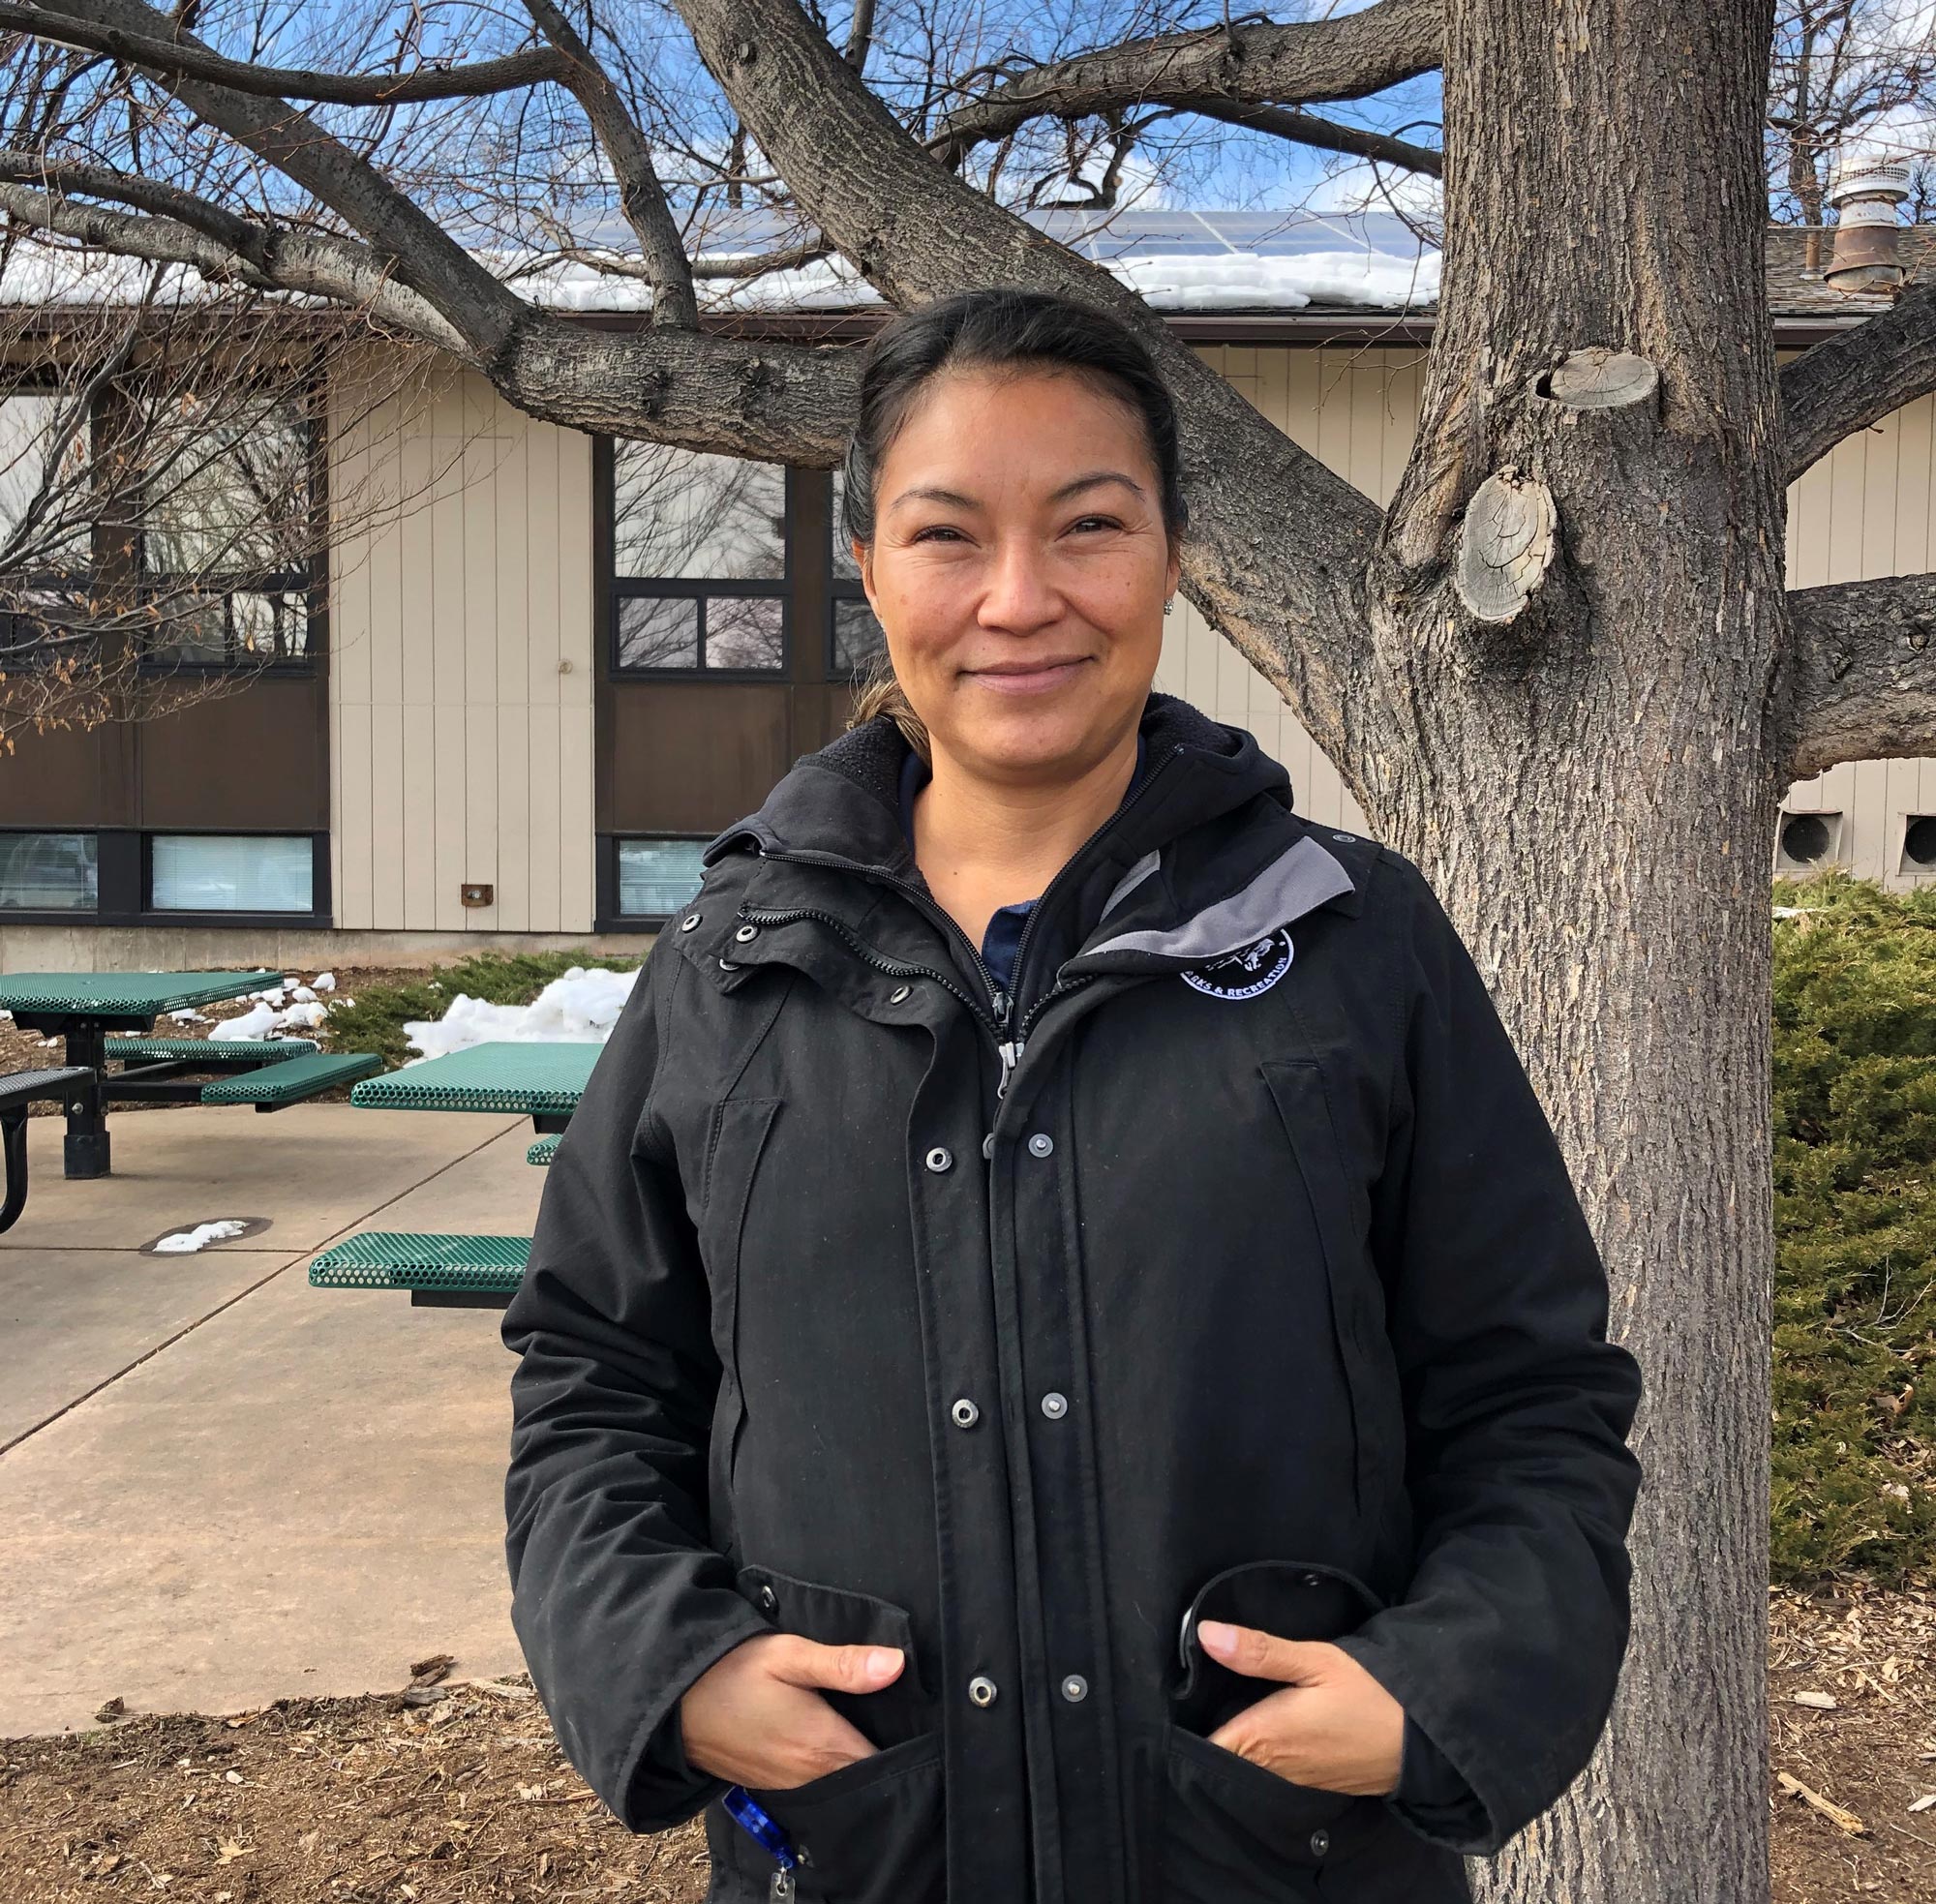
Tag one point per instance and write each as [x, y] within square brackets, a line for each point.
[755, 1716]
[1331, 1725]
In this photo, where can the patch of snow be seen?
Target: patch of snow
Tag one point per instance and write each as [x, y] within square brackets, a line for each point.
[324, 982]
[578, 1008]
[1212, 279]
[184, 1241]
[258, 1021]
[188, 1016]
[305, 1016]
[302, 994]
[271, 995]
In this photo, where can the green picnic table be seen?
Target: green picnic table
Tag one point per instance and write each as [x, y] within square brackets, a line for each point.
[541, 1081]
[83, 1008]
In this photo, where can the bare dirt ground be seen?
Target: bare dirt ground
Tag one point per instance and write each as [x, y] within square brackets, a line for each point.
[454, 1793]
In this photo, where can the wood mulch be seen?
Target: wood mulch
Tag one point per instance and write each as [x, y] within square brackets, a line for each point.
[453, 1791]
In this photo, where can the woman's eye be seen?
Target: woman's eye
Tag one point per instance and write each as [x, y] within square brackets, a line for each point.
[937, 533]
[1095, 523]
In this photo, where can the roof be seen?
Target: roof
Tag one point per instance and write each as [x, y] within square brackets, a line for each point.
[1215, 273]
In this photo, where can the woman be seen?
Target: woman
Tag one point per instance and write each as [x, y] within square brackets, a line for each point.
[1060, 1358]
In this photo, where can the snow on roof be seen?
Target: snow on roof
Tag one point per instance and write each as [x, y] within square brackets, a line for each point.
[1179, 260]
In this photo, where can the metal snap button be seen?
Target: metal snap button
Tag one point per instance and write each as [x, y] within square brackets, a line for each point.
[688, 922]
[1312, 1580]
[982, 1689]
[727, 965]
[1054, 1405]
[964, 1413]
[989, 1144]
[1041, 1145]
[1075, 1687]
[1320, 1843]
[898, 993]
[746, 933]
[940, 1159]
[769, 1601]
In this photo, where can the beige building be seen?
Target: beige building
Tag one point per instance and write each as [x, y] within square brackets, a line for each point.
[540, 669]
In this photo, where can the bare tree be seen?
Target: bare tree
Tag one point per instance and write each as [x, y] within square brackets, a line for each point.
[1562, 669]
[1847, 74]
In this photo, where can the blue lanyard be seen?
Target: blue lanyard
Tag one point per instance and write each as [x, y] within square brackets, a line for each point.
[768, 1834]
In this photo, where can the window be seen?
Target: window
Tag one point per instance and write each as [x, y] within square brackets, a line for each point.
[226, 532]
[857, 637]
[1807, 840]
[45, 541]
[1918, 844]
[49, 873]
[699, 562]
[211, 536]
[227, 872]
[656, 877]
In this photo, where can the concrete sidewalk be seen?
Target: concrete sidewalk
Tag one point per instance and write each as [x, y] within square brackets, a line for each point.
[218, 1486]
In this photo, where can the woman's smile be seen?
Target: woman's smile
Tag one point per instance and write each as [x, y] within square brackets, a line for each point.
[1036, 675]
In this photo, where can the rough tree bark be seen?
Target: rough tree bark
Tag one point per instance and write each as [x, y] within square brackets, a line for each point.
[1590, 783]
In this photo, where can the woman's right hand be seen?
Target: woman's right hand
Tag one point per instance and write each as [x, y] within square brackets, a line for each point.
[755, 1715]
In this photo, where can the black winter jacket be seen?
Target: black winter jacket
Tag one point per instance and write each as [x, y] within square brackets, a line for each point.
[1228, 1269]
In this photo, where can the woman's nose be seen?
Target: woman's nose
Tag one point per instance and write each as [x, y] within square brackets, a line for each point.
[1020, 594]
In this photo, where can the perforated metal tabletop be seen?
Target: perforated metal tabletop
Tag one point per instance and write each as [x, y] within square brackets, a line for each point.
[112, 994]
[536, 1080]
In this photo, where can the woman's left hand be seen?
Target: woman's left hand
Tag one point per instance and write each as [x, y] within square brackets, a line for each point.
[1332, 1725]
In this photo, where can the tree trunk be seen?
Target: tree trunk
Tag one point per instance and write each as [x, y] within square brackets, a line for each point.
[1577, 622]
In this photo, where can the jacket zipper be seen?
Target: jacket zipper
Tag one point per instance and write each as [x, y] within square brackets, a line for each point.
[998, 1019]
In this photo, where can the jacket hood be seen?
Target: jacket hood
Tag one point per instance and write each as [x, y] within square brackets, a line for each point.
[1203, 859]
[845, 800]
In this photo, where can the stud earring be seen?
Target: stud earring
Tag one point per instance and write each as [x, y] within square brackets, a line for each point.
[1170, 604]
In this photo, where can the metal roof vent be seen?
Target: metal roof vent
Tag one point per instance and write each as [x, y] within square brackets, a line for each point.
[1865, 194]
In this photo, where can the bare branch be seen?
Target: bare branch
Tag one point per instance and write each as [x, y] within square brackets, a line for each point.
[1847, 382]
[221, 246]
[424, 256]
[1862, 683]
[182, 59]
[641, 196]
[1265, 64]
[860, 35]
[1326, 134]
[882, 200]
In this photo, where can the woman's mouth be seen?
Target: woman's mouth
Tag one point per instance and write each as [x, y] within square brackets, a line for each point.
[1028, 677]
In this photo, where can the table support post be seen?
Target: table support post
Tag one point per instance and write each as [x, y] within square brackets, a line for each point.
[85, 1151]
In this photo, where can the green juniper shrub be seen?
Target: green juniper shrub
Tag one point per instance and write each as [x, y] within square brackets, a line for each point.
[1855, 1291]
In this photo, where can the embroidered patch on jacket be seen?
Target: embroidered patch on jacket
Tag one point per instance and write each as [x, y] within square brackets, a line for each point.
[1247, 973]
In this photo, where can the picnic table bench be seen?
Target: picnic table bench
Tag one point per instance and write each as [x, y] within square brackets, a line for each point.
[92, 1013]
[18, 1089]
[542, 1081]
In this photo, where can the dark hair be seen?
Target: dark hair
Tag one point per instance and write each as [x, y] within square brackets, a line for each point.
[1002, 329]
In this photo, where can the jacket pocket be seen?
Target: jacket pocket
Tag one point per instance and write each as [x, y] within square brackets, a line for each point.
[1357, 1301]
[1233, 1831]
[870, 1831]
[736, 1138]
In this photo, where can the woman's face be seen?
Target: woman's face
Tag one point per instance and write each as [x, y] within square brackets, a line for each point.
[1020, 568]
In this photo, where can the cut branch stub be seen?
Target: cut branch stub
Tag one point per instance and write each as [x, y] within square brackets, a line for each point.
[1600, 378]
[1505, 545]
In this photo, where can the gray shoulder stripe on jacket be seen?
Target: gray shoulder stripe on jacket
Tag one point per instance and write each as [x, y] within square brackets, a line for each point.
[1296, 882]
[1130, 881]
